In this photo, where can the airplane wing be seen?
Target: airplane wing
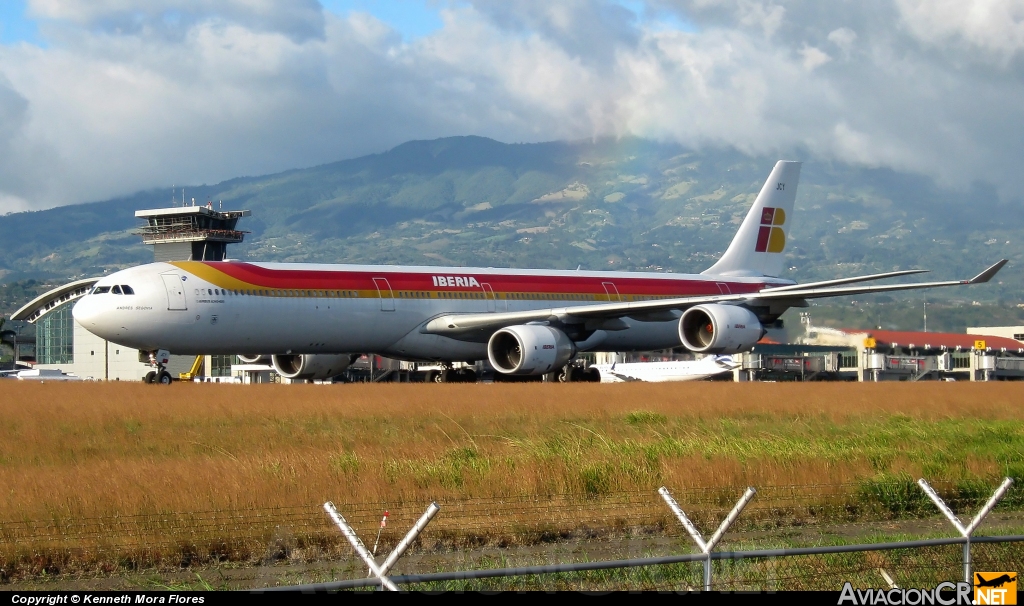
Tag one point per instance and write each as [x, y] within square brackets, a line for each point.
[606, 316]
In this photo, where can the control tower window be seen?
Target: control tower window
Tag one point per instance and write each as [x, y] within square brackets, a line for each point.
[127, 289]
[116, 290]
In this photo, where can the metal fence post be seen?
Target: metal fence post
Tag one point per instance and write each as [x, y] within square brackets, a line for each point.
[381, 571]
[706, 547]
[350, 534]
[410, 536]
[967, 531]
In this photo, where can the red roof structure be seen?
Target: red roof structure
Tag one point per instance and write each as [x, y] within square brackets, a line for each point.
[936, 340]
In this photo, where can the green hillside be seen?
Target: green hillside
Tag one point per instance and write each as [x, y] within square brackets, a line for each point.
[606, 204]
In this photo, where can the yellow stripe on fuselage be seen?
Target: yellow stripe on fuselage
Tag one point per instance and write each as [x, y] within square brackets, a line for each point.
[213, 276]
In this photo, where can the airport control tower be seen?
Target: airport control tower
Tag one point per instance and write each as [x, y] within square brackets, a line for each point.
[190, 233]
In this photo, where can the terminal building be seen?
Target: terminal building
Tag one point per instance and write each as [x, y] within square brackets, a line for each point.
[884, 355]
[188, 233]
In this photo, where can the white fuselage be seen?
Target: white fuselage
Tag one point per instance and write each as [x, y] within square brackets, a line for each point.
[233, 307]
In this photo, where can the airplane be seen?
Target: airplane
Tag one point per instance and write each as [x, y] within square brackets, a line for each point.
[313, 319]
[993, 582]
[661, 372]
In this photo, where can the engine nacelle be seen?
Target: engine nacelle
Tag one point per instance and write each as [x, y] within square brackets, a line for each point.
[310, 366]
[529, 350]
[253, 359]
[719, 329]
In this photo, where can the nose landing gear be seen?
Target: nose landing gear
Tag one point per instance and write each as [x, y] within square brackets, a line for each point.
[159, 359]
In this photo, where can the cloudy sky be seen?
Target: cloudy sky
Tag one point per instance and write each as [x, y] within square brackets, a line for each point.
[104, 97]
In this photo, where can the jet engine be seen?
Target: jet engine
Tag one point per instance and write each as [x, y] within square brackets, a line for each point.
[310, 366]
[253, 359]
[529, 350]
[719, 329]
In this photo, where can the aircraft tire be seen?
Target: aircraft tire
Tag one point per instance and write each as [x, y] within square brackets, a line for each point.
[468, 375]
[164, 378]
[434, 377]
[592, 375]
[150, 377]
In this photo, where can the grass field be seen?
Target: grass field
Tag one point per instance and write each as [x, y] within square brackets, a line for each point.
[77, 451]
[97, 449]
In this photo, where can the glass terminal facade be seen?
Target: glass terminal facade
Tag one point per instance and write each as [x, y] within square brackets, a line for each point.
[55, 336]
[220, 366]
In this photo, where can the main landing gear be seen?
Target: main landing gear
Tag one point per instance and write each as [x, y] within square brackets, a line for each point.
[571, 373]
[448, 374]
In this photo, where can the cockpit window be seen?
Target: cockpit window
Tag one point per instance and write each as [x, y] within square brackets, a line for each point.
[99, 290]
[127, 289]
[116, 290]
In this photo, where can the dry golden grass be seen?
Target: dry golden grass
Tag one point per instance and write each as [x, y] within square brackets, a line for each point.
[98, 449]
[74, 451]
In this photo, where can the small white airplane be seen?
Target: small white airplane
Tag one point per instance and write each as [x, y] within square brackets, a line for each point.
[661, 372]
[312, 320]
[39, 374]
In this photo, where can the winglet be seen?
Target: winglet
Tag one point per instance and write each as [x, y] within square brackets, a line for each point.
[986, 275]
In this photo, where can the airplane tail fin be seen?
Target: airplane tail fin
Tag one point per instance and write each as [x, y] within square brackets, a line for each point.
[758, 249]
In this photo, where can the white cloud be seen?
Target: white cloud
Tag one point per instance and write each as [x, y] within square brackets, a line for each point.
[813, 57]
[131, 94]
[299, 19]
[843, 38]
[996, 26]
[768, 17]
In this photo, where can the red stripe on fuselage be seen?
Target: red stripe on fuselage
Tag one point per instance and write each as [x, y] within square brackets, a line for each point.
[262, 277]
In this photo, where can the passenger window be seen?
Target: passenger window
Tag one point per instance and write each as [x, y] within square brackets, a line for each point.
[127, 289]
[116, 290]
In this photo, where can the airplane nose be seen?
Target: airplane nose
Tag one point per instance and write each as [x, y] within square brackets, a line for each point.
[93, 315]
[85, 312]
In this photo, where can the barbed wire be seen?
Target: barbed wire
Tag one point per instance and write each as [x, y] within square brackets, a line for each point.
[617, 522]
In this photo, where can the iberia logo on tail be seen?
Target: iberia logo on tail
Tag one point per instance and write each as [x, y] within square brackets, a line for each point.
[771, 238]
